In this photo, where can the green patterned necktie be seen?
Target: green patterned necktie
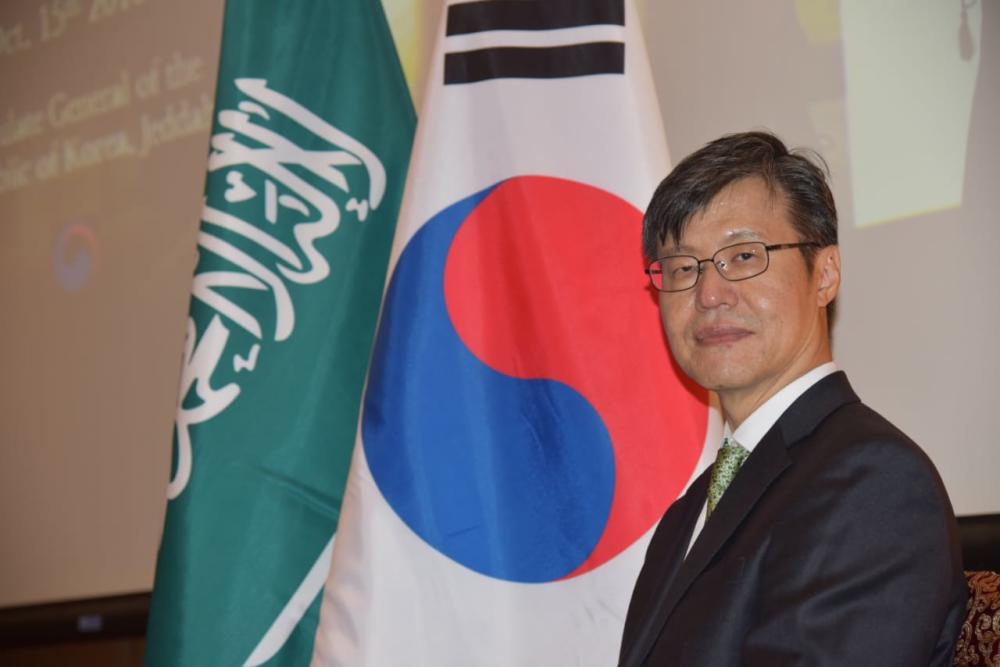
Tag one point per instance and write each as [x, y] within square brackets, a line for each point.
[731, 456]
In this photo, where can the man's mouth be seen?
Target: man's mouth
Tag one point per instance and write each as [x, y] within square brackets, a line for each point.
[720, 334]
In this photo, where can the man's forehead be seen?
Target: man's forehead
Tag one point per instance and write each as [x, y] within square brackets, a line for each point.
[745, 210]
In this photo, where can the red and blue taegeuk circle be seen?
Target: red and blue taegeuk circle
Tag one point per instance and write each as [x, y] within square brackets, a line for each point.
[523, 415]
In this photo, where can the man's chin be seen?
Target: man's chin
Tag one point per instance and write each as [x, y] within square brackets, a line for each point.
[719, 380]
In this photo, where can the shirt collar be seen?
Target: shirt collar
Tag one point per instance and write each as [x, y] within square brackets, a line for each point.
[760, 421]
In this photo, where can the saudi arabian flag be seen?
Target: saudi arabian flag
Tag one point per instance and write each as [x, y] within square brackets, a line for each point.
[312, 133]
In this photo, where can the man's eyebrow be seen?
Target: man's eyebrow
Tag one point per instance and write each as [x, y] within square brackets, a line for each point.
[676, 250]
[732, 236]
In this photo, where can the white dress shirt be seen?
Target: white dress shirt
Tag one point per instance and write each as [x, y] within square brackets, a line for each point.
[760, 421]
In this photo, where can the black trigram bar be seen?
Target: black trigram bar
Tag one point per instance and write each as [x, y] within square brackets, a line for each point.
[532, 15]
[554, 62]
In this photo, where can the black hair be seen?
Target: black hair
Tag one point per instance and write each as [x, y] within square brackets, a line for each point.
[800, 176]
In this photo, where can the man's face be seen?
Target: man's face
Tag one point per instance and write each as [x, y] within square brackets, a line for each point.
[748, 339]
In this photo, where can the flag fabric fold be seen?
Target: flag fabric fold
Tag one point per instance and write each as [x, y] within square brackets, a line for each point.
[523, 426]
[312, 133]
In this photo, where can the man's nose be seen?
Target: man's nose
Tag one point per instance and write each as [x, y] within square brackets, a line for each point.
[712, 290]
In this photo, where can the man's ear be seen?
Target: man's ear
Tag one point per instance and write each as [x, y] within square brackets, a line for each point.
[827, 273]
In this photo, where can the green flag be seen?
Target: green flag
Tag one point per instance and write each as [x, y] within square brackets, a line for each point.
[310, 143]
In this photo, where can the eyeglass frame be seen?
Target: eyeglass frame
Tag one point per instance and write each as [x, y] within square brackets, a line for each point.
[701, 262]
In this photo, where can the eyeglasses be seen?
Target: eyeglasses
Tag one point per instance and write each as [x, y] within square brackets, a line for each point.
[676, 273]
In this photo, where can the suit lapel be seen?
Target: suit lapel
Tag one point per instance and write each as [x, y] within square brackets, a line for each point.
[765, 464]
[696, 499]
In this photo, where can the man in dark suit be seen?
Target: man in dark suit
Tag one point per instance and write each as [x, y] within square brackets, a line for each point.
[822, 535]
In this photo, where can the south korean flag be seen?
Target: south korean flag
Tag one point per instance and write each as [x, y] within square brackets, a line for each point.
[523, 428]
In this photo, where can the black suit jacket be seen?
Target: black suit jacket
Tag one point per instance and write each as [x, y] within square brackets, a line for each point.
[834, 545]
